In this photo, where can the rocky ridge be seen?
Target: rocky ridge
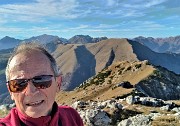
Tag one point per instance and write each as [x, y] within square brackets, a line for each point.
[86, 60]
[113, 98]
[121, 78]
[83, 39]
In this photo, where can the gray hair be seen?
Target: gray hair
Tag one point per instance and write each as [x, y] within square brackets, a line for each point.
[29, 46]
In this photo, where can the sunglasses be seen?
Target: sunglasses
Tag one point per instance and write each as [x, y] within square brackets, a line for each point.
[40, 82]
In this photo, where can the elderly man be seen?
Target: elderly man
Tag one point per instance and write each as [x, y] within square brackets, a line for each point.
[33, 79]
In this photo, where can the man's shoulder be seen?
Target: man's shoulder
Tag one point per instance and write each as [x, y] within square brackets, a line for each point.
[67, 113]
[67, 110]
[5, 121]
[64, 107]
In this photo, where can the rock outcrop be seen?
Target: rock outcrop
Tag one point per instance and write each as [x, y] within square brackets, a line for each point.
[115, 111]
[161, 84]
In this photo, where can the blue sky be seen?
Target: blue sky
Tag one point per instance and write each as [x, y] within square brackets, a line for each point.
[112, 18]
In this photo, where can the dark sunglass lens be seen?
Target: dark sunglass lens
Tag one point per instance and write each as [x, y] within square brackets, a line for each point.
[43, 81]
[17, 85]
[43, 85]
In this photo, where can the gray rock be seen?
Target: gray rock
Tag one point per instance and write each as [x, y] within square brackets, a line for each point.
[138, 120]
[101, 119]
[130, 99]
[176, 109]
[165, 108]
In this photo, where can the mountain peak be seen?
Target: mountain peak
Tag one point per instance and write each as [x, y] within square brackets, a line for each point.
[8, 42]
[83, 39]
[43, 38]
[8, 38]
[161, 45]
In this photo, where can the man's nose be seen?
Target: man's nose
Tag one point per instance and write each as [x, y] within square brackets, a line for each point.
[30, 89]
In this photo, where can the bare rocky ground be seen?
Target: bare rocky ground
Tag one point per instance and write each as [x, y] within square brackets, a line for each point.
[130, 111]
[111, 98]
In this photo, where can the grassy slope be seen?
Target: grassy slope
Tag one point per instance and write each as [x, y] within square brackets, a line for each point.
[106, 91]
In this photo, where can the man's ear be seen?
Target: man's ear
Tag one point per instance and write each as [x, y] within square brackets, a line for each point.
[11, 94]
[58, 82]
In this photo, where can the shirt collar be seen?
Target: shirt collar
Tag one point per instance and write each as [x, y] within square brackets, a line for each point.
[44, 120]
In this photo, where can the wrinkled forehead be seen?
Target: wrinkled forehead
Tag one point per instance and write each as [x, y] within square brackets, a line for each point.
[29, 62]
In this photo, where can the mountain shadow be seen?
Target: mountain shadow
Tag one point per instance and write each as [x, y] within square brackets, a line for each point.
[85, 66]
[111, 58]
[169, 61]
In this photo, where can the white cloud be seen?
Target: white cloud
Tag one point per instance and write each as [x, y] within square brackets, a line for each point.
[146, 26]
[78, 27]
[154, 2]
[120, 8]
[139, 4]
[111, 2]
[67, 16]
[105, 26]
[134, 8]
[40, 10]
[10, 29]
[2, 21]
[99, 27]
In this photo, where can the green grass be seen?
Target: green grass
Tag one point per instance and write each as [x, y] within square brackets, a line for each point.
[2, 71]
[3, 113]
[166, 121]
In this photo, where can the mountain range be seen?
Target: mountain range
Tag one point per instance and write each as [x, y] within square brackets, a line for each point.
[162, 45]
[86, 60]
[83, 57]
[9, 42]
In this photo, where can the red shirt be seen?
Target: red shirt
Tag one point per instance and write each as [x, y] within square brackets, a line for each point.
[60, 116]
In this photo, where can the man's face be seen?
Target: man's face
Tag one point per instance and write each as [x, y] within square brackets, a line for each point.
[32, 101]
